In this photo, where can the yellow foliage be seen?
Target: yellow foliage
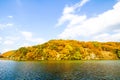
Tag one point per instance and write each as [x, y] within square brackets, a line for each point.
[67, 50]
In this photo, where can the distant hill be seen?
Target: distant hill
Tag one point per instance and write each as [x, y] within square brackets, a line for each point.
[67, 50]
[7, 54]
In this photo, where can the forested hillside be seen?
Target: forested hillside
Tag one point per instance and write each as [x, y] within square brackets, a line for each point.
[67, 50]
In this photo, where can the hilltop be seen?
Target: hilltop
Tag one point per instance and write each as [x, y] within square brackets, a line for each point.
[67, 50]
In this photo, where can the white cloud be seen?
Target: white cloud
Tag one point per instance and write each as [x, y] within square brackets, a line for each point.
[10, 17]
[69, 11]
[8, 42]
[118, 0]
[0, 38]
[9, 24]
[81, 26]
[108, 37]
[83, 2]
[20, 39]
[2, 26]
[24, 44]
[117, 30]
[29, 37]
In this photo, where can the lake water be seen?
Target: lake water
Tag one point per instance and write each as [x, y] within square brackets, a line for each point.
[60, 70]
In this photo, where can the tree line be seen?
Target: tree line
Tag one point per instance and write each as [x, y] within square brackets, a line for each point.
[67, 50]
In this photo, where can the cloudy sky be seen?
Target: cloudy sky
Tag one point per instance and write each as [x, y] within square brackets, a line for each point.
[31, 22]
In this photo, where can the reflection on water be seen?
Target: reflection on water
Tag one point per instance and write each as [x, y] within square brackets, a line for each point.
[60, 70]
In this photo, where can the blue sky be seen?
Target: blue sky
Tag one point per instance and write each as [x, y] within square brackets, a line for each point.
[31, 22]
